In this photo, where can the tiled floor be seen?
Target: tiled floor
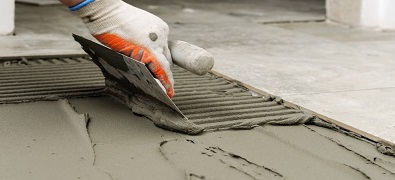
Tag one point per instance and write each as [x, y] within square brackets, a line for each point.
[282, 47]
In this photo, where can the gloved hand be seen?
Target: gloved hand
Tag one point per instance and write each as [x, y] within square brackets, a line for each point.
[133, 32]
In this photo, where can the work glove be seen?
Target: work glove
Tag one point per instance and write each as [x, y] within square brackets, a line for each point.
[131, 31]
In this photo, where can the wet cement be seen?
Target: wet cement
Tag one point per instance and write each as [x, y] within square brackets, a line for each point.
[45, 140]
[49, 140]
[130, 82]
[209, 102]
[48, 78]
[159, 113]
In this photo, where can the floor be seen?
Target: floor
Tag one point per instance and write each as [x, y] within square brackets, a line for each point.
[281, 47]
[56, 140]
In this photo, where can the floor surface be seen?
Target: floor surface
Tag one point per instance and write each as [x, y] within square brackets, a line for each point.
[56, 140]
[282, 47]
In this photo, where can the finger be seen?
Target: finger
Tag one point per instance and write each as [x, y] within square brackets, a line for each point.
[161, 70]
[167, 54]
[137, 54]
[116, 43]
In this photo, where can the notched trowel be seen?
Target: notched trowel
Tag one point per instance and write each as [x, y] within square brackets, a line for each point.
[131, 83]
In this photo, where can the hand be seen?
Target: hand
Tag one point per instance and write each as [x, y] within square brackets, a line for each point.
[133, 32]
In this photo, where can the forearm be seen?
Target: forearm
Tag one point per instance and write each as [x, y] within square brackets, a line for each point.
[70, 3]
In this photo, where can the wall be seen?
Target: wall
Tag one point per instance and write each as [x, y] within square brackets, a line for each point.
[7, 16]
[364, 13]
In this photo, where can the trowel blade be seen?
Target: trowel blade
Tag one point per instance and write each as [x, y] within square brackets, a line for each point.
[131, 74]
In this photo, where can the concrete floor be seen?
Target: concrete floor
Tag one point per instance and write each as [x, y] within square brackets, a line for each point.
[281, 47]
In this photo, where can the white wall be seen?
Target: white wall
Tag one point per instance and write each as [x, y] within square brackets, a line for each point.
[365, 13]
[7, 16]
[387, 14]
[344, 11]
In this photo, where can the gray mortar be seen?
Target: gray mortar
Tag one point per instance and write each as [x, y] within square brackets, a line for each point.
[386, 149]
[49, 78]
[119, 144]
[210, 101]
[154, 110]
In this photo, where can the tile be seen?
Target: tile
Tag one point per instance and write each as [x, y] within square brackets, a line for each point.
[371, 111]
[39, 48]
[339, 33]
[387, 46]
[261, 11]
[286, 71]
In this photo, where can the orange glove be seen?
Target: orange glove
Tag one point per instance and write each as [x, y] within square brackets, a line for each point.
[133, 32]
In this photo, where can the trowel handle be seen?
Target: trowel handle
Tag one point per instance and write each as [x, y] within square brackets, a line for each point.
[193, 58]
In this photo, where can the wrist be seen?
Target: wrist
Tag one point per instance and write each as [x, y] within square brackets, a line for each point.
[80, 4]
[102, 15]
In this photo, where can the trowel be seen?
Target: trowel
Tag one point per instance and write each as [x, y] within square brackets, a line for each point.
[131, 83]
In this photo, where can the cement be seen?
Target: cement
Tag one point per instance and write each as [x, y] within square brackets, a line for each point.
[46, 78]
[156, 111]
[128, 146]
[218, 104]
[117, 144]
[45, 140]
[209, 101]
[307, 60]
[130, 82]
